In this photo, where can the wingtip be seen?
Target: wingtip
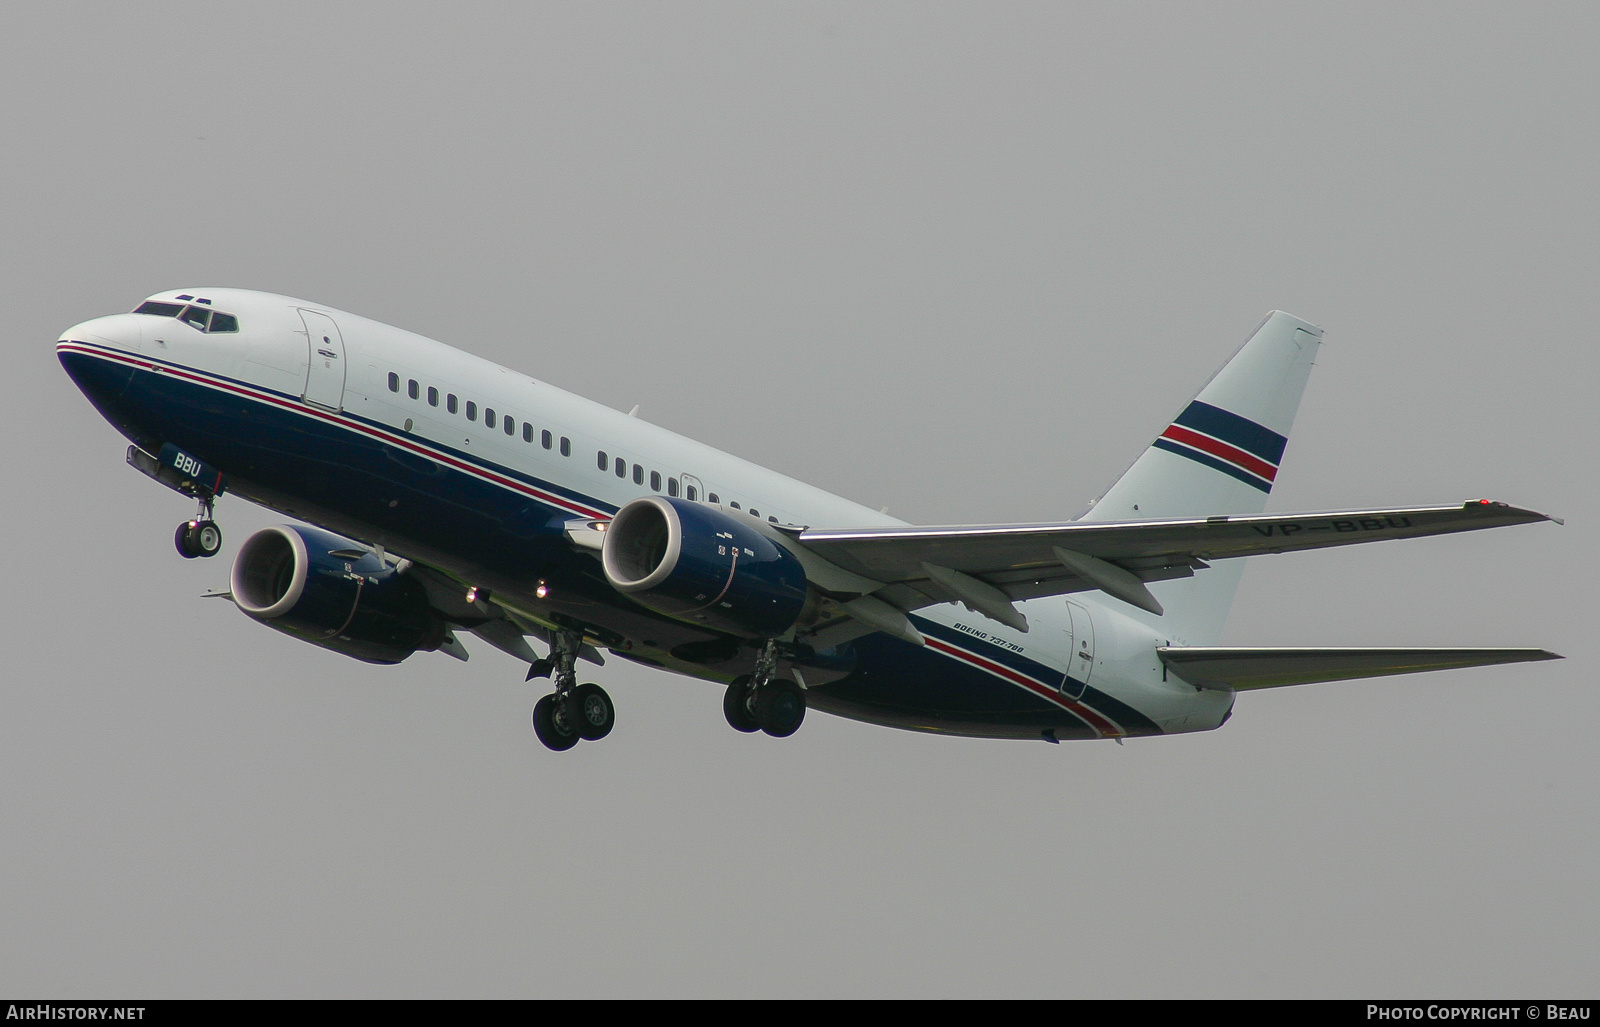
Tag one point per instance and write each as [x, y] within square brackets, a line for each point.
[1532, 514]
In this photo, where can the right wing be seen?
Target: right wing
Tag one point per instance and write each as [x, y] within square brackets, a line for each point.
[987, 567]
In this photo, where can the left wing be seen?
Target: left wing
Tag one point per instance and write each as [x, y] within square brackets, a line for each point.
[987, 567]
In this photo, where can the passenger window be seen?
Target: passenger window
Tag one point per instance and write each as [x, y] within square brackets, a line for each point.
[472, 410]
[734, 504]
[433, 396]
[394, 382]
[655, 481]
[690, 490]
[221, 322]
[488, 416]
[411, 388]
[196, 317]
[672, 486]
[754, 512]
[638, 475]
[603, 462]
[450, 402]
[711, 497]
[544, 439]
[771, 518]
[566, 446]
[527, 432]
[511, 425]
[622, 467]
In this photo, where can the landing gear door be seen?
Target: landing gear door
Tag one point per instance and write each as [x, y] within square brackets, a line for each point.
[325, 369]
[1080, 637]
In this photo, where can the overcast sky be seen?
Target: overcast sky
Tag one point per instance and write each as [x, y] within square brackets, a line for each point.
[962, 260]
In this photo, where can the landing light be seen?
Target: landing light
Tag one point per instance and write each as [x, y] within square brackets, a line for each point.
[542, 591]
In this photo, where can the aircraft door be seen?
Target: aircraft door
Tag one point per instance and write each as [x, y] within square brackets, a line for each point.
[325, 366]
[1080, 638]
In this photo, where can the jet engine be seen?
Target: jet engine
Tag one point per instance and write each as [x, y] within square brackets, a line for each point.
[699, 564]
[332, 592]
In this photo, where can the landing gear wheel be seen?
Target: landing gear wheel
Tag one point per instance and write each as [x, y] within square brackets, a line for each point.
[198, 538]
[208, 538]
[780, 708]
[553, 726]
[736, 707]
[592, 711]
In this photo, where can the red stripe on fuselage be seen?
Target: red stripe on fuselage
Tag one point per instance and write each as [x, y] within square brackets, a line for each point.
[1105, 727]
[343, 422]
[1217, 448]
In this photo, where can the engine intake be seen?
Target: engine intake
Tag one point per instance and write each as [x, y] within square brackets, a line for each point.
[701, 565]
[334, 593]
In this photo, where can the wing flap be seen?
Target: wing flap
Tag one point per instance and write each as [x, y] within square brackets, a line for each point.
[1242, 669]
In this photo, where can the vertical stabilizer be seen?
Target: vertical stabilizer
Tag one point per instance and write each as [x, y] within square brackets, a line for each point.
[1220, 455]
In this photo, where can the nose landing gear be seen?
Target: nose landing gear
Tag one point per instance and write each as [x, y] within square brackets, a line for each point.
[573, 712]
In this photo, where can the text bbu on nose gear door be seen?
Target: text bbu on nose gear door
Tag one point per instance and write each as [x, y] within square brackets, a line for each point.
[325, 369]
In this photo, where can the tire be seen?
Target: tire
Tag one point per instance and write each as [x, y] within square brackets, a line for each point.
[593, 712]
[736, 707]
[207, 538]
[183, 538]
[555, 732]
[780, 708]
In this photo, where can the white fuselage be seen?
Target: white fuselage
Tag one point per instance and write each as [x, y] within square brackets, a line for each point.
[394, 391]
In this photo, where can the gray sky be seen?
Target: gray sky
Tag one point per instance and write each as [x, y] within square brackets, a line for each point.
[963, 260]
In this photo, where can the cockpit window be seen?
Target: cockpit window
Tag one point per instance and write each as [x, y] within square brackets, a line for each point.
[199, 317]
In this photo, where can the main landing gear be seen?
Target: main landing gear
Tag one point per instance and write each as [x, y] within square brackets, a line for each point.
[573, 712]
[200, 536]
[763, 701]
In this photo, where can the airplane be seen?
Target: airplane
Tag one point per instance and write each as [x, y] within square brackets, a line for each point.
[442, 495]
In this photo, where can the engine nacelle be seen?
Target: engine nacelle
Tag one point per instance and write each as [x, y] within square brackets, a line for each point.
[335, 593]
[701, 565]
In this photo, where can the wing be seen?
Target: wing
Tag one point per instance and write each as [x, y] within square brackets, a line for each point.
[987, 567]
[1239, 669]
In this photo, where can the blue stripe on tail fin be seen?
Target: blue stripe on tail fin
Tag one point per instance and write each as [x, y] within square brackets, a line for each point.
[1220, 455]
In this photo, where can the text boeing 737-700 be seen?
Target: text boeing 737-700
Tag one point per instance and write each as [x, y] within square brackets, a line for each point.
[452, 495]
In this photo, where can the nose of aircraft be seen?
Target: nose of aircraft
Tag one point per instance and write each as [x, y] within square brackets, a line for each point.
[119, 331]
[95, 355]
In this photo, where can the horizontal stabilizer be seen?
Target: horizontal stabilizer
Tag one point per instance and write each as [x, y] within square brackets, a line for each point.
[1242, 669]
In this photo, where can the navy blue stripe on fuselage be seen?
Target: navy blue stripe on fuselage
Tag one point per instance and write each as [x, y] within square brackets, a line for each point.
[492, 516]
[557, 495]
[1130, 719]
[1255, 439]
